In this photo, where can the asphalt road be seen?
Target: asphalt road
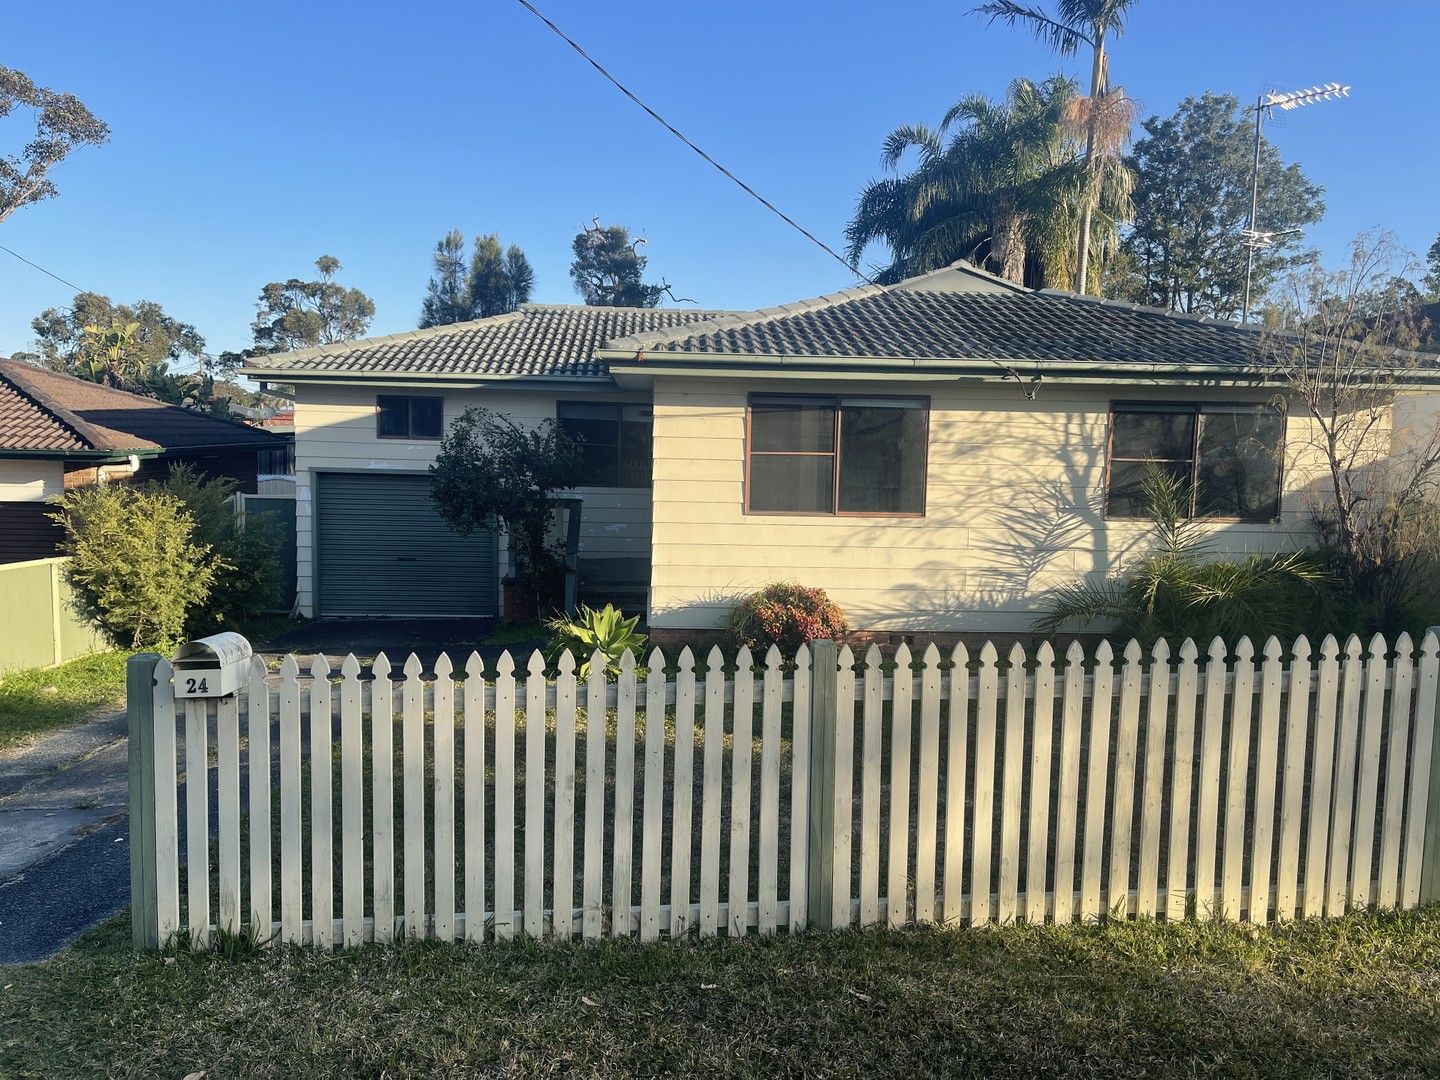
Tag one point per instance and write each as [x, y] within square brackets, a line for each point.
[64, 846]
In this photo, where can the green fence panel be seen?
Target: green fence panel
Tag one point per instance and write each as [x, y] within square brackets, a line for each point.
[38, 624]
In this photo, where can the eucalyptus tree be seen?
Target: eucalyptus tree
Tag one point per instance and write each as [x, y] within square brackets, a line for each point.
[62, 125]
[998, 183]
[296, 314]
[1106, 114]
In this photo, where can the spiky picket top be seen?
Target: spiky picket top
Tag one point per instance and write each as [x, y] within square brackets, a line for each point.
[1356, 996]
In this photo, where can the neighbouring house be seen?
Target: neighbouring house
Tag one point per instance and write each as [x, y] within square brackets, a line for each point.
[58, 432]
[935, 454]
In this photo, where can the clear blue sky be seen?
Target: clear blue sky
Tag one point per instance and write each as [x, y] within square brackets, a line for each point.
[250, 138]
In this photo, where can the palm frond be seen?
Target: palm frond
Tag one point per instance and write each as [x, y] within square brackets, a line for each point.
[1064, 38]
[909, 137]
[1084, 603]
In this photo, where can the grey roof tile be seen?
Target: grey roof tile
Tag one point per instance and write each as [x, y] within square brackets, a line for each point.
[540, 340]
[914, 323]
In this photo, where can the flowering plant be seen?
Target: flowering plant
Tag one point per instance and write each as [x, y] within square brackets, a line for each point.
[786, 615]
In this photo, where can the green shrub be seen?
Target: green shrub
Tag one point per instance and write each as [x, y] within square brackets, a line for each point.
[490, 468]
[248, 578]
[1175, 592]
[607, 630]
[786, 615]
[136, 569]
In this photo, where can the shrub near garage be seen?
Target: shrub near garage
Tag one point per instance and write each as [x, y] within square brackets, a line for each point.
[135, 567]
[786, 615]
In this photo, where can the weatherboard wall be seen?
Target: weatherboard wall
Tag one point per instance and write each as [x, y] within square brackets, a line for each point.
[1013, 507]
[335, 431]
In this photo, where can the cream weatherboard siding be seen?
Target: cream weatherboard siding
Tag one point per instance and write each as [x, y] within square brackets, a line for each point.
[335, 431]
[1013, 507]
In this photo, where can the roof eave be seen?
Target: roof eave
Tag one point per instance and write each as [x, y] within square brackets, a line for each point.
[628, 368]
[451, 378]
[78, 455]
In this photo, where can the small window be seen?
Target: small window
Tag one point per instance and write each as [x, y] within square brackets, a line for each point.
[1226, 457]
[615, 441]
[398, 417]
[836, 455]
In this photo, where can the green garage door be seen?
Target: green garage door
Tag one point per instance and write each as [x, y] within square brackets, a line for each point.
[381, 549]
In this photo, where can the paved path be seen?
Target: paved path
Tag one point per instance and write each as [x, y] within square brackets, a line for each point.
[64, 849]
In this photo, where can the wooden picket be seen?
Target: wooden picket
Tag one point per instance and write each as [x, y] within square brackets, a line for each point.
[1023, 788]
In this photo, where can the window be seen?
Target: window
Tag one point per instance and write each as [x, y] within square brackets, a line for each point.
[399, 417]
[836, 455]
[614, 441]
[279, 461]
[1226, 456]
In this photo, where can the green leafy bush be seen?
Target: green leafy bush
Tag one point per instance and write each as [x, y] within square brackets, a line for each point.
[607, 630]
[248, 576]
[786, 615]
[1175, 592]
[136, 567]
[490, 468]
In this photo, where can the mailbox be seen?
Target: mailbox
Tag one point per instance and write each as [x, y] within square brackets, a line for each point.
[210, 667]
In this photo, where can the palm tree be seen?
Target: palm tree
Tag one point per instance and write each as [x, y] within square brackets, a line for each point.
[1107, 115]
[999, 183]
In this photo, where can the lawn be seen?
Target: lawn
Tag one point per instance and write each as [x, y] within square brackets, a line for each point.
[1356, 996]
[37, 700]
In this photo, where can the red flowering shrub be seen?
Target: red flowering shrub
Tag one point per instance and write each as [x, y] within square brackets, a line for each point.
[786, 615]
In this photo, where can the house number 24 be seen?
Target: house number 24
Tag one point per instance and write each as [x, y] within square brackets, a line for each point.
[196, 686]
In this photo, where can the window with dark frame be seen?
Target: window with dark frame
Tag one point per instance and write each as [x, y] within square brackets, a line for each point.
[615, 441]
[836, 455]
[399, 416]
[1227, 457]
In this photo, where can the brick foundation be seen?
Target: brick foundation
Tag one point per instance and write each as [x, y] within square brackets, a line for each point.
[887, 640]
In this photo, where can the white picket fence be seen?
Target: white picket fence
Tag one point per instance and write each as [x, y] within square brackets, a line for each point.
[819, 792]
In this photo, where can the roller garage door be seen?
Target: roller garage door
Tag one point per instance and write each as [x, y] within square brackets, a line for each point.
[381, 549]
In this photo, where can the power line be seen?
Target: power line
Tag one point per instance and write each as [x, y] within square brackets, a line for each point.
[42, 269]
[681, 136]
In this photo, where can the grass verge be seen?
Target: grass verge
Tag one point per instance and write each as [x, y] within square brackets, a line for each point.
[38, 700]
[1354, 996]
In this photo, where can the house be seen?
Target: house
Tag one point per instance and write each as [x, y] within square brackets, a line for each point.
[368, 419]
[58, 432]
[935, 454]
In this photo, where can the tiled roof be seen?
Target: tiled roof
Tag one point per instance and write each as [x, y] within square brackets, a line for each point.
[44, 410]
[539, 340]
[925, 319]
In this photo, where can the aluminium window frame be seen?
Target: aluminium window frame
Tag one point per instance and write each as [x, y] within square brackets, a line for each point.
[1196, 409]
[619, 407]
[834, 454]
[409, 400]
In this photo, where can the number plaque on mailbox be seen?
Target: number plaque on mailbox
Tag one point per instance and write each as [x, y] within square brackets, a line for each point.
[213, 666]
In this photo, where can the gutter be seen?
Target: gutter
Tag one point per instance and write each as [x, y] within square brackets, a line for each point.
[99, 456]
[712, 365]
[461, 379]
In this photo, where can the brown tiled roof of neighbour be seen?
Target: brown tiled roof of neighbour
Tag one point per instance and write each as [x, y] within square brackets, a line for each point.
[538, 340]
[928, 318]
[42, 410]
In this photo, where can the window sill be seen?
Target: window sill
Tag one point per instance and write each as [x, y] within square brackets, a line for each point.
[841, 516]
